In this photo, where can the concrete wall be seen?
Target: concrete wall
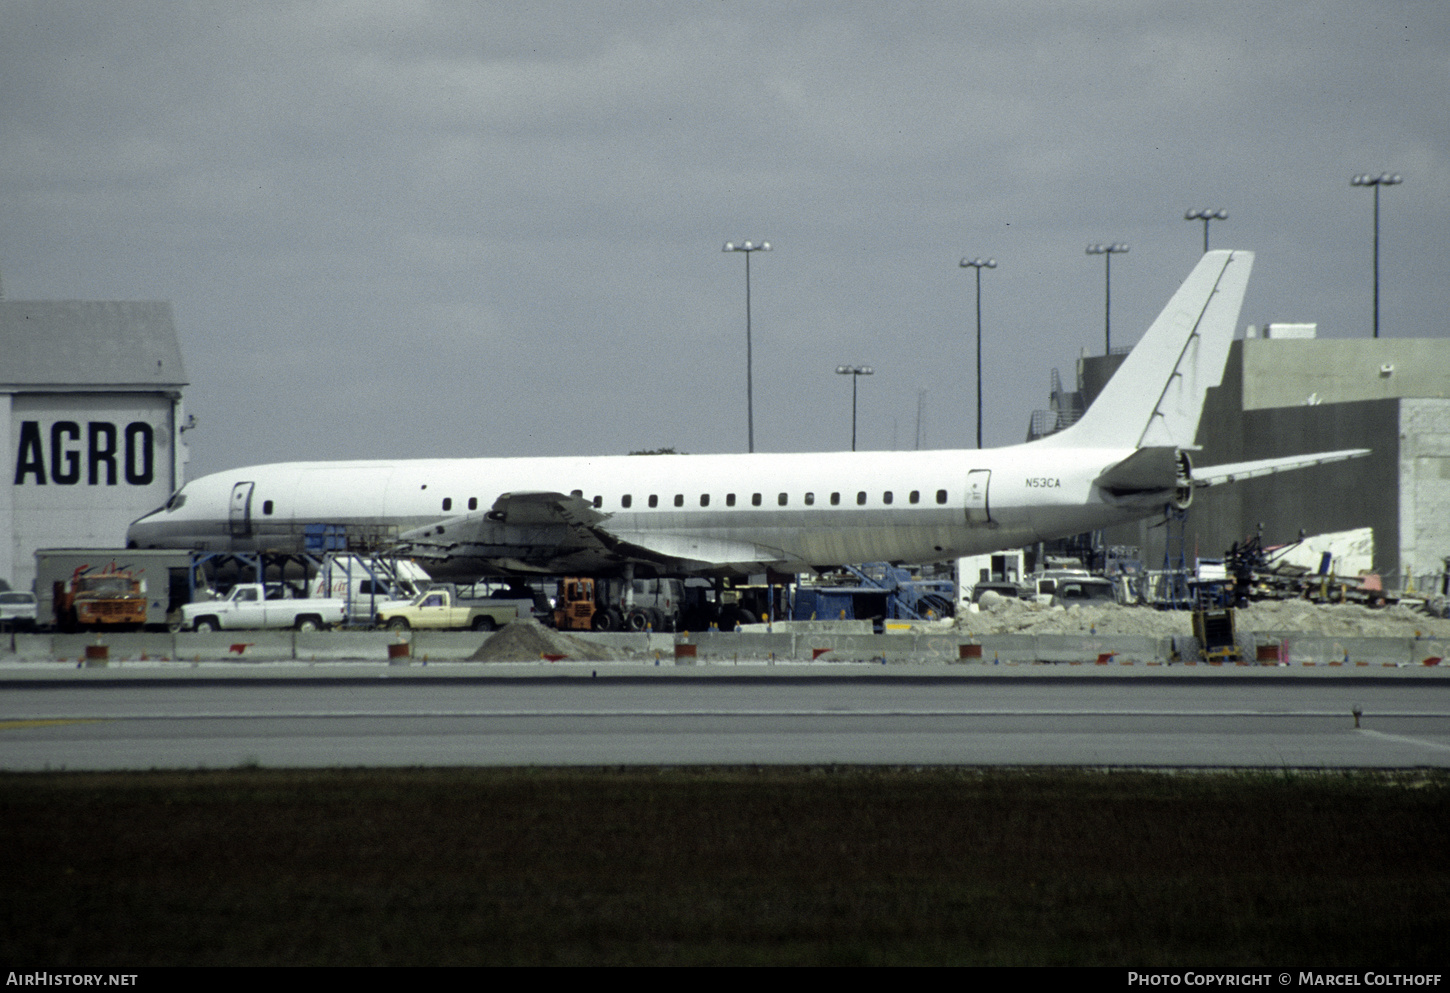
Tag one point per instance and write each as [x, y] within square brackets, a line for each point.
[1424, 483]
[1285, 373]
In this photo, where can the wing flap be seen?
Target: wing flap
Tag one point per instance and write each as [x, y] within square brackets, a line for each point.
[695, 550]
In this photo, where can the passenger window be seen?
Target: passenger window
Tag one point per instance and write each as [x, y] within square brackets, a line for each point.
[755, 499]
[941, 496]
[598, 500]
[916, 496]
[861, 499]
[810, 499]
[835, 499]
[473, 503]
[679, 499]
[267, 507]
[626, 500]
[704, 499]
[654, 500]
[447, 503]
[729, 499]
[886, 497]
[782, 499]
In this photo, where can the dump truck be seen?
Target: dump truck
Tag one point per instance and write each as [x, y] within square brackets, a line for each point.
[102, 598]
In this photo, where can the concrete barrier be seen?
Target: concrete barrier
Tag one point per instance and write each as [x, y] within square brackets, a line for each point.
[121, 646]
[1307, 650]
[715, 648]
[239, 646]
[333, 646]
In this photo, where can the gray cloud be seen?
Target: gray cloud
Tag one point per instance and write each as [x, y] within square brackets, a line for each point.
[401, 229]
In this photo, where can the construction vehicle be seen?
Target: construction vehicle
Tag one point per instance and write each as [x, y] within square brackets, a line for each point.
[588, 604]
[1329, 568]
[1214, 630]
[103, 598]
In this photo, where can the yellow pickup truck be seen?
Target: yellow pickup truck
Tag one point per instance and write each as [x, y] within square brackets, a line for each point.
[439, 609]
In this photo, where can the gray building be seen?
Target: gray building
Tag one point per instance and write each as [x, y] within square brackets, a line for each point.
[91, 412]
[1291, 396]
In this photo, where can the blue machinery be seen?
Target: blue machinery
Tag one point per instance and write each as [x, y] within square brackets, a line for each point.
[884, 592]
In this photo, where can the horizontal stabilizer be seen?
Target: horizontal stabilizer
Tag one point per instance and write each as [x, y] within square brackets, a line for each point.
[1235, 471]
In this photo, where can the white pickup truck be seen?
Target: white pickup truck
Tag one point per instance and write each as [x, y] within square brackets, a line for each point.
[247, 606]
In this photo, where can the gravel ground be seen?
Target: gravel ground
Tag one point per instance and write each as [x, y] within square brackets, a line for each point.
[1000, 615]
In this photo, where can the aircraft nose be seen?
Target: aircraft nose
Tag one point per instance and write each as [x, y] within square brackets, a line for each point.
[142, 531]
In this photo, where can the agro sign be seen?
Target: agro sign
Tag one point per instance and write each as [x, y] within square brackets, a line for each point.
[98, 455]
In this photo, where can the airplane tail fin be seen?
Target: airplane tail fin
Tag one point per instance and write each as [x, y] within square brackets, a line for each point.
[1156, 396]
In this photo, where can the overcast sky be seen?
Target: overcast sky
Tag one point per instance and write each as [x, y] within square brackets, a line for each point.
[399, 229]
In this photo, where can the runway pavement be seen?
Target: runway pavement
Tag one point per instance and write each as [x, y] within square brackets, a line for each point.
[379, 715]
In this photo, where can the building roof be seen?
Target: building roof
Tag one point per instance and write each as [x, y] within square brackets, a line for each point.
[49, 344]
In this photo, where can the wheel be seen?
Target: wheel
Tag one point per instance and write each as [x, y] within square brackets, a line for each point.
[484, 624]
[605, 620]
[398, 624]
[638, 619]
[207, 624]
[308, 624]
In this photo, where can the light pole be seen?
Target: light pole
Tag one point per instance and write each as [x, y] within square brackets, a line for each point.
[979, 265]
[748, 247]
[1383, 179]
[855, 372]
[1206, 216]
[1107, 252]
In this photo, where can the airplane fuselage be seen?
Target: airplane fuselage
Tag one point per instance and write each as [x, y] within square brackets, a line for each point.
[713, 513]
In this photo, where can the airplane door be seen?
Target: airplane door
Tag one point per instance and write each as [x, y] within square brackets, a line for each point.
[240, 511]
[979, 512]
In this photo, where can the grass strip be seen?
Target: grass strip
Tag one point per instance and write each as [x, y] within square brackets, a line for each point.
[773, 865]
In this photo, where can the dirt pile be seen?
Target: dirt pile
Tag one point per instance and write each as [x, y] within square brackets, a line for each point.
[526, 640]
[1001, 615]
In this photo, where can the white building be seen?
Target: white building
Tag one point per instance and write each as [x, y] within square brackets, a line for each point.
[91, 414]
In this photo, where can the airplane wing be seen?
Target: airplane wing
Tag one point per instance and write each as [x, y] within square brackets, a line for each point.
[520, 532]
[1235, 471]
[552, 532]
[695, 552]
[532, 509]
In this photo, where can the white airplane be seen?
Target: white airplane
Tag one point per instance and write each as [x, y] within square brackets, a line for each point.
[720, 515]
